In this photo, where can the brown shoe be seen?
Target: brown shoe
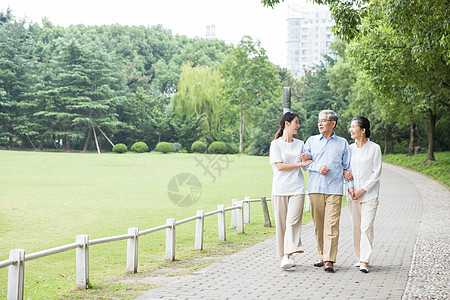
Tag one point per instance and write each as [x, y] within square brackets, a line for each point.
[319, 263]
[328, 267]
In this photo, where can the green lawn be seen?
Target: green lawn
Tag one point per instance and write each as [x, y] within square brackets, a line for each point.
[439, 169]
[46, 199]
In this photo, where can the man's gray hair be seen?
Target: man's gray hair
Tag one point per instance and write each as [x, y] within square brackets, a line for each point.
[332, 116]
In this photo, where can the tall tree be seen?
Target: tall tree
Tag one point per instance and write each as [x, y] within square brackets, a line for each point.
[398, 65]
[198, 93]
[249, 80]
[16, 67]
[90, 86]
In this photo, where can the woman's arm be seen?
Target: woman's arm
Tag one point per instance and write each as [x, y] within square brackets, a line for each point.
[288, 167]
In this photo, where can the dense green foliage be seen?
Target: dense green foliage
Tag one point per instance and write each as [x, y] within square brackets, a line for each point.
[120, 148]
[163, 147]
[438, 169]
[139, 147]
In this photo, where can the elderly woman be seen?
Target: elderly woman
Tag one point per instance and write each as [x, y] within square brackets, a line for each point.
[363, 200]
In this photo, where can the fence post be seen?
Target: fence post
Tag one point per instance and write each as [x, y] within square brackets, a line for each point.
[233, 213]
[265, 209]
[240, 217]
[16, 274]
[132, 250]
[307, 203]
[199, 224]
[221, 223]
[170, 239]
[247, 209]
[82, 261]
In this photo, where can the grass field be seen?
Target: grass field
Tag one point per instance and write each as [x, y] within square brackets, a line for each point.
[46, 199]
[439, 169]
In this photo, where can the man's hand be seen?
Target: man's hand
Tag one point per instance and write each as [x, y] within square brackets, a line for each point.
[348, 175]
[305, 156]
[324, 170]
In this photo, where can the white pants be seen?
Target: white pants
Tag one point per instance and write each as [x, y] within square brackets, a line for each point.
[288, 212]
[363, 216]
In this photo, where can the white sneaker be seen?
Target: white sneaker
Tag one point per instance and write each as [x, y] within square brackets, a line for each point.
[285, 263]
[292, 260]
[363, 268]
[357, 264]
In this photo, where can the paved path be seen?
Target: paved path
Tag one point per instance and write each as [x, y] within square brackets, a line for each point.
[254, 273]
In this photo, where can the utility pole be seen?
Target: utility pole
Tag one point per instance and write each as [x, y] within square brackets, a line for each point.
[286, 99]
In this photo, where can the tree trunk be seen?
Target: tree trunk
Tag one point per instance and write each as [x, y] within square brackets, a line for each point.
[41, 144]
[412, 130]
[430, 133]
[100, 141]
[88, 139]
[241, 128]
[10, 143]
[388, 141]
[68, 140]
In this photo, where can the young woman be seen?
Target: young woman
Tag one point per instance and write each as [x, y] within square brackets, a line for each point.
[366, 168]
[288, 188]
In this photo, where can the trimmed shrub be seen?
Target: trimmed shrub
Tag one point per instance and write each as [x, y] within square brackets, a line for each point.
[232, 148]
[164, 147]
[217, 148]
[139, 147]
[120, 148]
[199, 146]
[176, 147]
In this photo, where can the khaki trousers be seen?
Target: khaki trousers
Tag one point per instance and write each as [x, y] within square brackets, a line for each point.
[363, 216]
[326, 213]
[288, 212]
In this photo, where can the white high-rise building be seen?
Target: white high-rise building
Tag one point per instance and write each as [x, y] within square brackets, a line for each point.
[210, 32]
[308, 36]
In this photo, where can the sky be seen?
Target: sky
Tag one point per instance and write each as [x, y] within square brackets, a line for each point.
[232, 18]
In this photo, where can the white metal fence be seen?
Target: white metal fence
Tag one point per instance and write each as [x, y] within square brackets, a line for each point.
[240, 214]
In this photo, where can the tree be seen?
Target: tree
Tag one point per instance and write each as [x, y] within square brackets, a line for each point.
[249, 80]
[398, 64]
[16, 67]
[90, 86]
[198, 93]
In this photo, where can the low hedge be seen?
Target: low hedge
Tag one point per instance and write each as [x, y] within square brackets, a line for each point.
[199, 146]
[164, 147]
[139, 147]
[120, 148]
[217, 148]
[176, 147]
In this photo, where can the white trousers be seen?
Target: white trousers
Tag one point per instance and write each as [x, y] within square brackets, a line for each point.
[288, 213]
[363, 217]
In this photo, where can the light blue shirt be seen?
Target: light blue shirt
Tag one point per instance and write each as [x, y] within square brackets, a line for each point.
[334, 153]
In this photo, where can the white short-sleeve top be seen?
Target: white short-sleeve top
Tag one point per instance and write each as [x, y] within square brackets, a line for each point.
[286, 183]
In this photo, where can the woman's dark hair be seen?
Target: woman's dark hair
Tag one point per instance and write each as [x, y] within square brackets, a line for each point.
[286, 117]
[363, 123]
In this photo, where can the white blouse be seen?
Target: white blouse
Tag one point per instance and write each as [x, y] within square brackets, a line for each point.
[366, 169]
[286, 183]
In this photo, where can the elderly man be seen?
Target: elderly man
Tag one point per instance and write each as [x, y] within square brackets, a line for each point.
[331, 156]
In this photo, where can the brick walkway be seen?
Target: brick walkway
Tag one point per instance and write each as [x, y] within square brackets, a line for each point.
[254, 273]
